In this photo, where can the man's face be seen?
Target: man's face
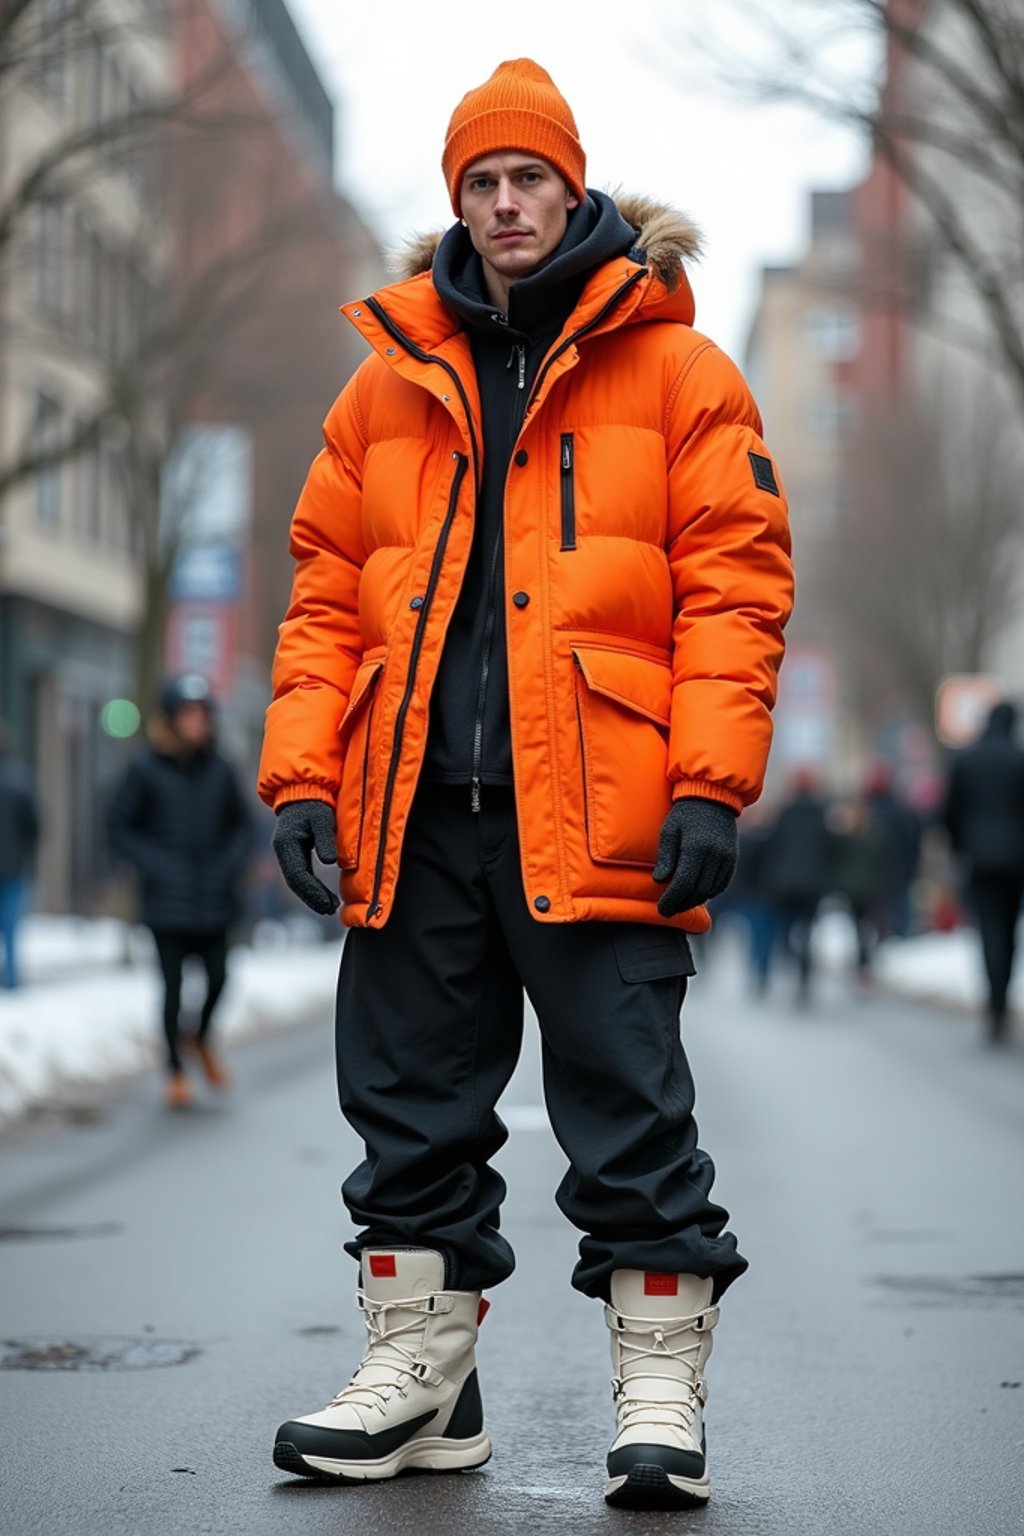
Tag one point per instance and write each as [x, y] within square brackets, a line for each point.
[516, 208]
[193, 725]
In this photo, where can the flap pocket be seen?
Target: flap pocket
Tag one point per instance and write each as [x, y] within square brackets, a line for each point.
[362, 685]
[647, 953]
[356, 770]
[623, 703]
[636, 682]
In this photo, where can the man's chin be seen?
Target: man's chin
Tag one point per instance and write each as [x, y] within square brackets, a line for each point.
[520, 261]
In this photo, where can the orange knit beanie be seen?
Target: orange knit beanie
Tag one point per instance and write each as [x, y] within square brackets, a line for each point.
[519, 107]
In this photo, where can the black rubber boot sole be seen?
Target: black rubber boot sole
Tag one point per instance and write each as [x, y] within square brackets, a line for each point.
[289, 1459]
[649, 1487]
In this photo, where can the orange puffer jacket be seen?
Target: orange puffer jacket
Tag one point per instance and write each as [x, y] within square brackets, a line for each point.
[647, 577]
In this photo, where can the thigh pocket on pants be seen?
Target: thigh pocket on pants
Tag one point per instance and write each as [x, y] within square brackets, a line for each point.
[647, 953]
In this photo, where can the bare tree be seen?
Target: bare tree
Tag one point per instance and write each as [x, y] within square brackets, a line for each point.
[944, 108]
[185, 329]
[925, 575]
[62, 166]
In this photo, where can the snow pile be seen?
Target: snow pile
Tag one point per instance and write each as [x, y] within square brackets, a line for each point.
[95, 1018]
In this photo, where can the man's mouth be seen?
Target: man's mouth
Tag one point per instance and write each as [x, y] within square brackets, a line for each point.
[511, 234]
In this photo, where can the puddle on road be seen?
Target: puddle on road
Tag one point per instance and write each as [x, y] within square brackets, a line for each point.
[59, 1234]
[955, 1290]
[94, 1354]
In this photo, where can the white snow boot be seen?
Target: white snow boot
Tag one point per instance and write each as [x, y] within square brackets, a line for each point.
[661, 1340]
[414, 1400]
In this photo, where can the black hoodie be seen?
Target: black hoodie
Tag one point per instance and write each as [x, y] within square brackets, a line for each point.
[470, 735]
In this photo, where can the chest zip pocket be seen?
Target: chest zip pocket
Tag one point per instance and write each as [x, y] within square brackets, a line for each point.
[568, 478]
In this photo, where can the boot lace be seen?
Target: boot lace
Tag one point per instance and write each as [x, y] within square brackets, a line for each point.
[655, 1344]
[382, 1330]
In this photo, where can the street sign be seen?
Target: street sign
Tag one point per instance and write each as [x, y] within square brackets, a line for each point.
[207, 573]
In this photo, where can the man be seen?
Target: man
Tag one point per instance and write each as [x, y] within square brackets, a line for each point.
[179, 817]
[527, 669]
[19, 834]
[984, 815]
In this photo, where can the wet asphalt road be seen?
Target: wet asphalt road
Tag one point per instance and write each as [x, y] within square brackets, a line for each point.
[868, 1374]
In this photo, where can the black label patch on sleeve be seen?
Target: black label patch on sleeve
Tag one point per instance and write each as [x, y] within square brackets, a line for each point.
[764, 473]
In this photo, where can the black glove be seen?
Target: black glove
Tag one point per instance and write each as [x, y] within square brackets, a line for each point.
[696, 853]
[302, 826]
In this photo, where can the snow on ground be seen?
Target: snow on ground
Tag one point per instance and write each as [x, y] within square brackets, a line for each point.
[89, 1010]
[941, 968]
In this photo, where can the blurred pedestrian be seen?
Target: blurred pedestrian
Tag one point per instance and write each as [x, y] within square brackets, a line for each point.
[903, 827]
[984, 815]
[752, 904]
[862, 866]
[19, 835]
[179, 817]
[526, 674]
[798, 864]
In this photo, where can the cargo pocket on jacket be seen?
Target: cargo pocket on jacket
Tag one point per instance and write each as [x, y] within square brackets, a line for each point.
[354, 732]
[623, 704]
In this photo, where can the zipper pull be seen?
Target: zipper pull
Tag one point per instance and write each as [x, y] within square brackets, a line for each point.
[566, 455]
[474, 799]
[522, 367]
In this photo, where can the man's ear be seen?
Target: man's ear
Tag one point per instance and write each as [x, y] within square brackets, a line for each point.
[571, 200]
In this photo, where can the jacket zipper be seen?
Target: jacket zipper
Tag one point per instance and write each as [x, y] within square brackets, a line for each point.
[462, 464]
[478, 728]
[569, 341]
[583, 748]
[431, 357]
[490, 621]
[568, 459]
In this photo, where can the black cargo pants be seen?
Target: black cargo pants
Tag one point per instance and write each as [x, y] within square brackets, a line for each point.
[429, 1029]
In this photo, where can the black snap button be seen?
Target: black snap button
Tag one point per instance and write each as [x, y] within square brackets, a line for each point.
[417, 602]
[520, 599]
[543, 903]
[522, 457]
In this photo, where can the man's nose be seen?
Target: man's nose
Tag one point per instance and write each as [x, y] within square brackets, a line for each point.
[506, 201]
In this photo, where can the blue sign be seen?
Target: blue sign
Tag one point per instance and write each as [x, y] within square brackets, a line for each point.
[207, 573]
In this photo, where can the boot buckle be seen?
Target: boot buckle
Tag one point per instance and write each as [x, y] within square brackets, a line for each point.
[423, 1371]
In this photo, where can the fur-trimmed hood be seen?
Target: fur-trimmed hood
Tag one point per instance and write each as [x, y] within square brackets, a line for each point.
[667, 238]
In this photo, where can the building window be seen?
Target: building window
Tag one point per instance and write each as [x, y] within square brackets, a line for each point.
[49, 256]
[90, 269]
[88, 489]
[53, 28]
[834, 333]
[95, 74]
[46, 439]
[832, 416]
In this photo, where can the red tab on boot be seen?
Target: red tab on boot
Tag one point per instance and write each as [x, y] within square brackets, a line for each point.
[382, 1266]
[482, 1310]
[658, 1285]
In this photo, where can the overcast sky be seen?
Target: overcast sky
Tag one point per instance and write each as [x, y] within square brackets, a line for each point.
[397, 68]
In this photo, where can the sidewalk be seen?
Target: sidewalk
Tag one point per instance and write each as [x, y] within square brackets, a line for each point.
[84, 1017]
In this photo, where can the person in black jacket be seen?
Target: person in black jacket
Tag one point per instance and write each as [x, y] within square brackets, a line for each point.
[984, 815]
[797, 862]
[179, 817]
[19, 833]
